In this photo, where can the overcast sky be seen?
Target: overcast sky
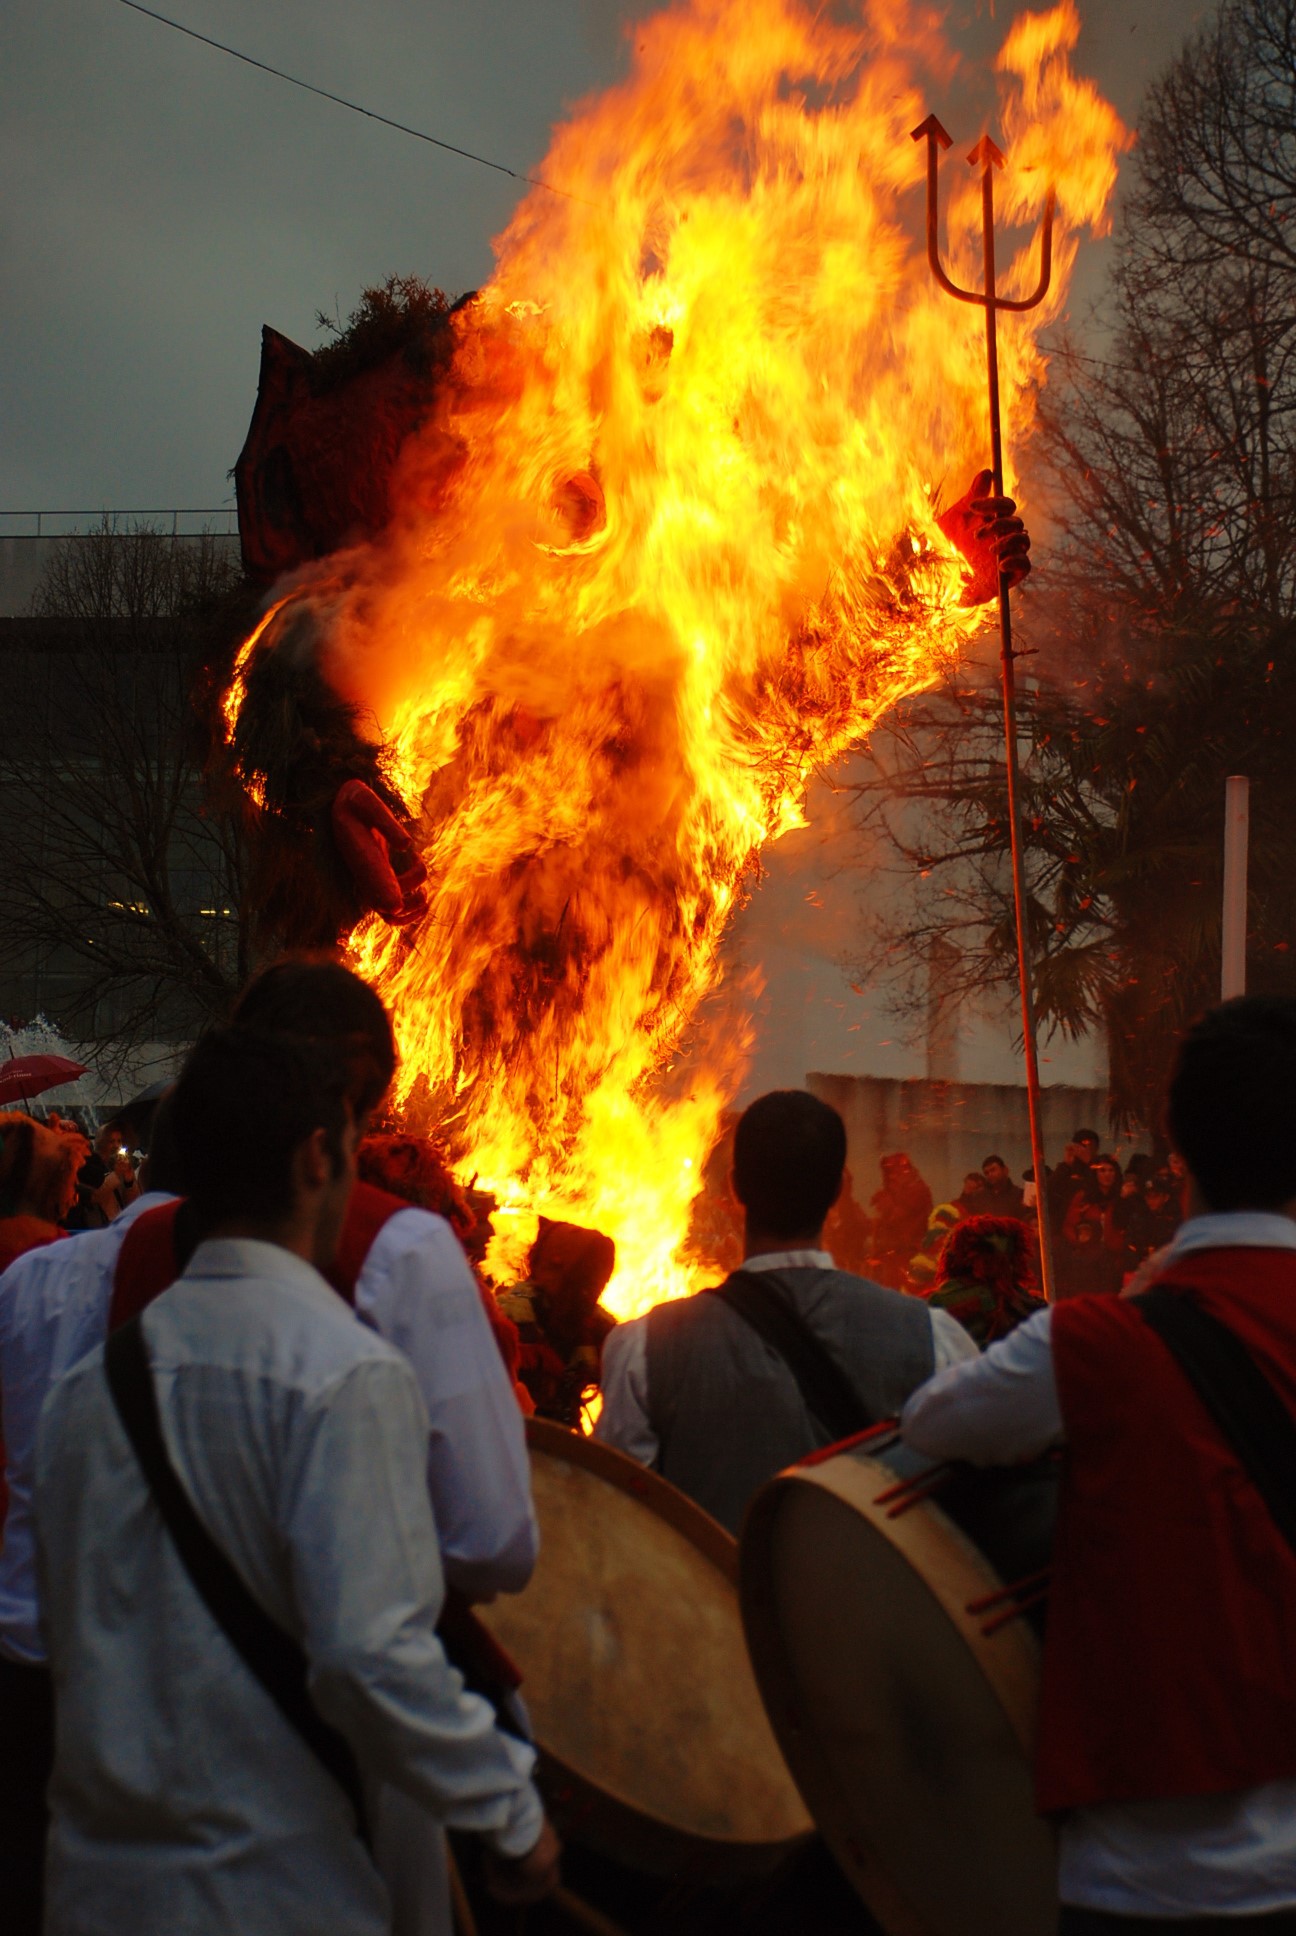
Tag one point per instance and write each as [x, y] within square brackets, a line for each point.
[161, 202]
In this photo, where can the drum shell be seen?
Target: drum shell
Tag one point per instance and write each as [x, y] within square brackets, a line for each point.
[908, 1721]
[635, 1598]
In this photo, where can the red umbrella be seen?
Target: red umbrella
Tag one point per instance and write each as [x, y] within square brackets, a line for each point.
[25, 1076]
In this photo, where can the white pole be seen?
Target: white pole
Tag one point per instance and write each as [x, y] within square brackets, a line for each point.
[1237, 790]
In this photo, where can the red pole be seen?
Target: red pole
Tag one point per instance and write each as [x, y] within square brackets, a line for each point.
[990, 156]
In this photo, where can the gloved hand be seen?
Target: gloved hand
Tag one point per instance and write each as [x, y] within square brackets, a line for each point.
[379, 854]
[990, 536]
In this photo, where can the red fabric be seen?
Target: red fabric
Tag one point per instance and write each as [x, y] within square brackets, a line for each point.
[369, 1209]
[147, 1263]
[147, 1266]
[316, 469]
[1170, 1658]
[18, 1235]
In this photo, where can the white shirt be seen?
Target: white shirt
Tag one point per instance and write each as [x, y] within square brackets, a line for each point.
[53, 1309]
[182, 1800]
[624, 1420]
[415, 1289]
[1208, 1855]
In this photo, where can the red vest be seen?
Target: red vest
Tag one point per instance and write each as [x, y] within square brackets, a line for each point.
[1170, 1658]
[147, 1263]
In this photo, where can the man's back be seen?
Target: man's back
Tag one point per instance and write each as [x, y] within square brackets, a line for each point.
[182, 1800]
[726, 1411]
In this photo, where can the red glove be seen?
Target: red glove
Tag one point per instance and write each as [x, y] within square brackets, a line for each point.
[379, 854]
[990, 536]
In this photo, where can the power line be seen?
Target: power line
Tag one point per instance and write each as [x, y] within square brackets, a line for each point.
[339, 100]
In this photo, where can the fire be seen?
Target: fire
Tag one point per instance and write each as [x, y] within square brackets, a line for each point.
[236, 692]
[667, 546]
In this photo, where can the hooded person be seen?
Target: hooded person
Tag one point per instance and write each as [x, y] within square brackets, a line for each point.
[560, 1322]
[900, 1209]
[985, 1278]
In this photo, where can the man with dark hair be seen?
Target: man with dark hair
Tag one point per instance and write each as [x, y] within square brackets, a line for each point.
[1003, 1197]
[316, 998]
[1147, 1219]
[1167, 1732]
[403, 1272]
[1073, 1175]
[722, 1390]
[184, 1797]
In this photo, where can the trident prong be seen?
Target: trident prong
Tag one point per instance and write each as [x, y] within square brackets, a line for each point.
[988, 157]
[986, 152]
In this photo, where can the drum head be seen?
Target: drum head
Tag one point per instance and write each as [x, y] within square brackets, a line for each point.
[655, 1747]
[908, 1730]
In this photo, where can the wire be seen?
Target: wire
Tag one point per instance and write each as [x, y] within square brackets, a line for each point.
[370, 114]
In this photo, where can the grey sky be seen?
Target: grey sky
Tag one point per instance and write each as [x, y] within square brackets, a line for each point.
[161, 202]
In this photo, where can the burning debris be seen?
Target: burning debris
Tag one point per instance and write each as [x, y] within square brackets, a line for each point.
[663, 539]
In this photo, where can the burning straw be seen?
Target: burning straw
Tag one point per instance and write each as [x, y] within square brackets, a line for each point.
[666, 545]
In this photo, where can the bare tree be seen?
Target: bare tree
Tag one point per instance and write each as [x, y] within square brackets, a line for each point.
[120, 887]
[1164, 658]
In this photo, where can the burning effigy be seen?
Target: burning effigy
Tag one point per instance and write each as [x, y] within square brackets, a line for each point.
[660, 541]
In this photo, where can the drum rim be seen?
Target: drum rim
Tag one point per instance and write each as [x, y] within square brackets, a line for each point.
[842, 1479]
[656, 1841]
[641, 1483]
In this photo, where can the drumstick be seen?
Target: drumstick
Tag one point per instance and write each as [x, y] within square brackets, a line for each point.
[585, 1914]
[577, 1910]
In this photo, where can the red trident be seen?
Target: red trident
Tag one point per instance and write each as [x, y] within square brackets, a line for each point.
[988, 157]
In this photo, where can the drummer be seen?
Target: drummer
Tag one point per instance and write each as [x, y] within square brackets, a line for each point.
[1167, 1737]
[722, 1390]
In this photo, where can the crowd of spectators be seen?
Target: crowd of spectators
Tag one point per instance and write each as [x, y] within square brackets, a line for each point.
[1105, 1220]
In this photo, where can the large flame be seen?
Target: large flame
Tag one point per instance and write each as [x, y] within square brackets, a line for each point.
[668, 546]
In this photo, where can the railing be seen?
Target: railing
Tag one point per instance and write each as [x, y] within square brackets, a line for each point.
[66, 524]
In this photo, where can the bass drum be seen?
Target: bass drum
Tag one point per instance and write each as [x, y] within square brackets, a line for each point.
[892, 1610]
[654, 1745]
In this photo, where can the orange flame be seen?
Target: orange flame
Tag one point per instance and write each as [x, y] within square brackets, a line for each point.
[667, 545]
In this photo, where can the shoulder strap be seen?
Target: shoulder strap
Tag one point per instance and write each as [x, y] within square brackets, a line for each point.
[1239, 1397]
[273, 1656]
[825, 1389]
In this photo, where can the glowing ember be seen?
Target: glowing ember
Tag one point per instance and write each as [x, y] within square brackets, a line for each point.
[666, 546]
